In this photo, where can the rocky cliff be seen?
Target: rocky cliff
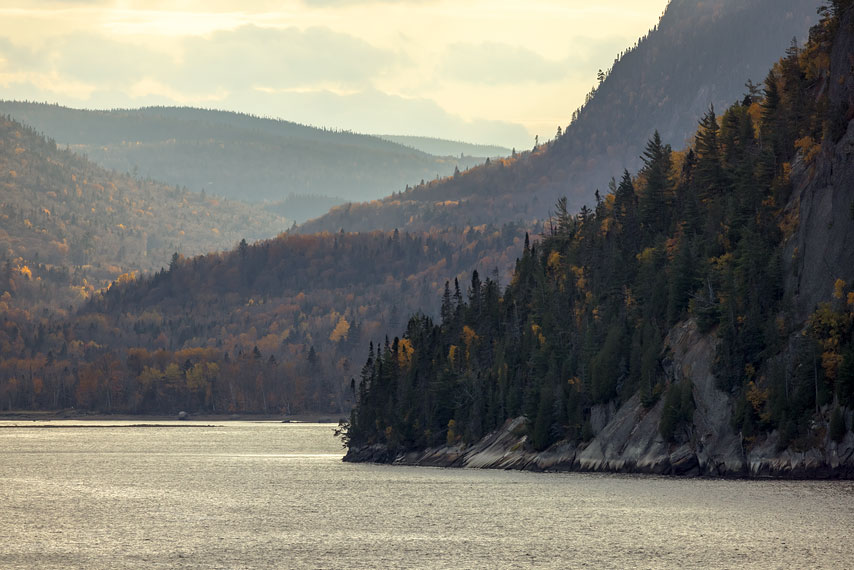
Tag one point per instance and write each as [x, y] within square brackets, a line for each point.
[822, 248]
[628, 438]
[818, 251]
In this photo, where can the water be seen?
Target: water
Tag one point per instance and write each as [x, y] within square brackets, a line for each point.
[272, 495]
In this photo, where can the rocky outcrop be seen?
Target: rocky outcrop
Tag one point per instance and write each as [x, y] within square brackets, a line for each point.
[630, 442]
[504, 449]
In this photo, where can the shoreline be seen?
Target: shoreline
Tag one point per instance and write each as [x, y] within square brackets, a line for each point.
[75, 415]
[461, 458]
[508, 449]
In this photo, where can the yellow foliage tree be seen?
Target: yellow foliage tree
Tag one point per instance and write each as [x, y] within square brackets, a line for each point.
[341, 330]
[452, 355]
[404, 353]
[469, 338]
[839, 289]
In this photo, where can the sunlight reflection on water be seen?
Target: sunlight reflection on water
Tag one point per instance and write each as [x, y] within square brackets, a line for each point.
[261, 495]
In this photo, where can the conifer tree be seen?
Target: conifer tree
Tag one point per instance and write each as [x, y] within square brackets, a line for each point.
[709, 174]
[657, 193]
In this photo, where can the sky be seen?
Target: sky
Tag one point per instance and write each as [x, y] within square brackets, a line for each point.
[485, 71]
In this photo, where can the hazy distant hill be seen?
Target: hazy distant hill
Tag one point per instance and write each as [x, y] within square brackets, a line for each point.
[700, 53]
[236, 155]
[65, 221]
[442, 147]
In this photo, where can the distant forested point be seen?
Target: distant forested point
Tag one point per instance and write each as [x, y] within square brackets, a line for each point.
[442, 147]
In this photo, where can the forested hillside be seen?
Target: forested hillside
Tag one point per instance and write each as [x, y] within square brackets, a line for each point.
[69, 226]
[238, 156]
[273, 327]
[704, 240]
[700, 53]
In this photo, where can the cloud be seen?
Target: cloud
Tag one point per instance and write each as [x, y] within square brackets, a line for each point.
[279, 58]
[493, 63]
[497, 63]
[103, 61]
[225, 61]
[14, 57]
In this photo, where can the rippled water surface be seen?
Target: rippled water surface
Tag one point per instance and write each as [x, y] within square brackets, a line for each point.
[272, 495]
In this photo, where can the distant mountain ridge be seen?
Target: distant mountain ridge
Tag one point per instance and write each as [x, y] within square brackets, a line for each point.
[443, 147]
[235, 155]
[68, 224]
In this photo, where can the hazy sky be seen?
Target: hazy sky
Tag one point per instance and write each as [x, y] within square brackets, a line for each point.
[496, 71]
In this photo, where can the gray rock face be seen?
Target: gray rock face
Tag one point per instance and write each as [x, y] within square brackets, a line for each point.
[719, 450]
[822, 248]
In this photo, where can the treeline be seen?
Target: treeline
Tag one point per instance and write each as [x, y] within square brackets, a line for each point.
[696, 234]
[272, 327]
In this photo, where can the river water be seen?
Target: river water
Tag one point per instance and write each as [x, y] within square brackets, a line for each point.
[273, 495]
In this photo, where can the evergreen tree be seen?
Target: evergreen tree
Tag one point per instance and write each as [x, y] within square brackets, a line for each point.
[709, 174]
[655, 198]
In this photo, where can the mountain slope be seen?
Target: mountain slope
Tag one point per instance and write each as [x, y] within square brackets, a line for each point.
[677, 328]
[272, 327]
[700, 53]
[69, 225]
[234, 155]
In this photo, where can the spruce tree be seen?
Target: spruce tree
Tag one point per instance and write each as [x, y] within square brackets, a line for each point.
[709, 175]
[654, 200]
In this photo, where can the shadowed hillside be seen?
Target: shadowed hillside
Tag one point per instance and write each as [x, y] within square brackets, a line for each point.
[700, 53]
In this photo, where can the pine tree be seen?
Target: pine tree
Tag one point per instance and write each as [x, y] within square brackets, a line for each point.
[654, 200]
[709, 175]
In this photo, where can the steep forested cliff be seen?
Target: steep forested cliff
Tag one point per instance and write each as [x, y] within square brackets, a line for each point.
[700, 319]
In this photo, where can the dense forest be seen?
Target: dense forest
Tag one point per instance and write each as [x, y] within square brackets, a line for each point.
[272, 327]
[238, 156]
[698, 234]
[699, 53]
[68, 227]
